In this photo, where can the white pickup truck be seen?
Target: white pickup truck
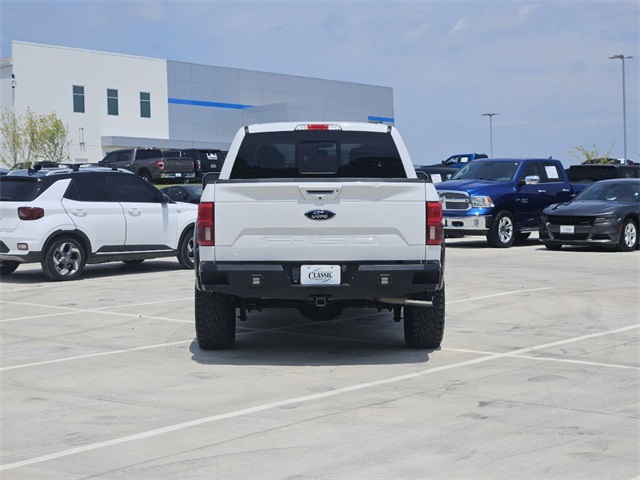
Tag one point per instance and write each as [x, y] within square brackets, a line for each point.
[319, 217]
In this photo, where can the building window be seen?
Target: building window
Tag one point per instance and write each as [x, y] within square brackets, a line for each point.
[112, 101]
[145, 104]
[78, 99]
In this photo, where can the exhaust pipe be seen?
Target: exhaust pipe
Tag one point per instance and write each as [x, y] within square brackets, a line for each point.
[406, 301]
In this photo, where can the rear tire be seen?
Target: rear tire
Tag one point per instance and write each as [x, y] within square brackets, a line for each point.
[215, 320]
[185, 249]
[424, 326]
[502, 231]
[7, 267]
[628, 236]
[64, 259]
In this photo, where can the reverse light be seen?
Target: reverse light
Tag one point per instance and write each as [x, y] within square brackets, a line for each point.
[481, 201]
[30, 213]
[205, 224]
[318, 126]
[434, 223]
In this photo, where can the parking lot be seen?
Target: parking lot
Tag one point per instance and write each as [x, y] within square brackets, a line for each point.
[537, 377]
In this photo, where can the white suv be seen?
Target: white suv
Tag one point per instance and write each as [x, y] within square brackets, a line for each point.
[65, 218]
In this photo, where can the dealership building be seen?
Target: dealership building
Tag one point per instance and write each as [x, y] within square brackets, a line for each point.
[110, 101]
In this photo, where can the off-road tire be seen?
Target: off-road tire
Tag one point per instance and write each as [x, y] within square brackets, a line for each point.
[64, 259]
[185, 249]
[424, 326]
[628, 236]
[7, 267]
[503, 230]
[215, 320]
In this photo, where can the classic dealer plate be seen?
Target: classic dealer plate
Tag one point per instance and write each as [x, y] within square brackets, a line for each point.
[567, 229]
[320, 275]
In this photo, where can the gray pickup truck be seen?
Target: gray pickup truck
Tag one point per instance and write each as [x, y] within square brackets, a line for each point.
[151, 164]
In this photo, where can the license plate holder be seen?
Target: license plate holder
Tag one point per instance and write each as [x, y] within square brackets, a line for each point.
[320, 274]
[570, 229]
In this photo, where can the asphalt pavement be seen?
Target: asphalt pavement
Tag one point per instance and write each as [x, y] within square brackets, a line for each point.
[537, 377]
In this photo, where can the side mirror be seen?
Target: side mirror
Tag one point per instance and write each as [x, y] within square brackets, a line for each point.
[530, 180]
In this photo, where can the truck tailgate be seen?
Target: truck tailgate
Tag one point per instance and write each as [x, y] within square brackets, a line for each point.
[365, 221]
[178, 165]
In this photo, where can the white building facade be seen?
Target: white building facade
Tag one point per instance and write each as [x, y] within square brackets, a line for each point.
[111, 101]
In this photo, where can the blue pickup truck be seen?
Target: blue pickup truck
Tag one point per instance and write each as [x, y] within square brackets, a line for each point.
[502, 198]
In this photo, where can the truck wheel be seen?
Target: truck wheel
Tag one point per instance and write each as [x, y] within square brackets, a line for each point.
[146, 176]
[63, 259]
[502, 231]
[185, 249]
[215, 320]
[424, 326]
[7, 267]
[628, 236]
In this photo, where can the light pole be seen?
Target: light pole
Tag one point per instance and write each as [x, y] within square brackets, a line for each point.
[624, 104]
[490, 115]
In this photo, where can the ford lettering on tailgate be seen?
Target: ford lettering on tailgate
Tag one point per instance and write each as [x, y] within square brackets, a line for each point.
[319, 214]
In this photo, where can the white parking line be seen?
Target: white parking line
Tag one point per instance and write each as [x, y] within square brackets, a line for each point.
[297, 400]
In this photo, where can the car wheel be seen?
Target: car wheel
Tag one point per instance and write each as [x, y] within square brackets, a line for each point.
[7, 267]
[320, 314]
[64, 259]
[502, 231]
[146, 176]
[185, 249]
[553, 246]
[424, 326]
[215, 320]
[628, 236]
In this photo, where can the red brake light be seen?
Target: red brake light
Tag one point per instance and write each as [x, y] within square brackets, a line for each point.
[30, 213]
[318, 126]
[160, 164]
[434, 223]
[205, 224]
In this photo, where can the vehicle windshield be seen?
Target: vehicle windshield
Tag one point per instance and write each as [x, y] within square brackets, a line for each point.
[610, 192]
[488, 170]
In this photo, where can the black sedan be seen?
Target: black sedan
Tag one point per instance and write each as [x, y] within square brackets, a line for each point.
[184, 193]
[605, 213]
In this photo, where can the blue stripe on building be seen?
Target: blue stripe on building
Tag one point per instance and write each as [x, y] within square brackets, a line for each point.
[381, 119]
[200, 103]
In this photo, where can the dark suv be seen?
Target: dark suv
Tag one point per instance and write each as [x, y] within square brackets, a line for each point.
[64, 218]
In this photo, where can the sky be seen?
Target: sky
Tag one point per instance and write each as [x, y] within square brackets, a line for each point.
[542, 66]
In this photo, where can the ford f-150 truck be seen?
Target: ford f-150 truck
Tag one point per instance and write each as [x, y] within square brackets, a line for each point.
[151, 164]
[319, 217]
[502, 198]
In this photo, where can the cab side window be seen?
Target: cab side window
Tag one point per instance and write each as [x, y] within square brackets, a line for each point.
[129, 188]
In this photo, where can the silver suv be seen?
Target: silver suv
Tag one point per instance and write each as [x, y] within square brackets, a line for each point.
[65, 218]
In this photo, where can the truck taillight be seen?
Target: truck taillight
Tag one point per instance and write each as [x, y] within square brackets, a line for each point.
[434, 223]
[30, 213]
[160, 164]
[318, 126]
[206, 232]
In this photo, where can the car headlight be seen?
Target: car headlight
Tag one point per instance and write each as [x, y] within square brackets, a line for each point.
[480, 201]
[607, 219]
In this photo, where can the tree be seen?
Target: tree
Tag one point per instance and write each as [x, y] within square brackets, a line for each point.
[592, 156]
[51, 139]
[30, 137]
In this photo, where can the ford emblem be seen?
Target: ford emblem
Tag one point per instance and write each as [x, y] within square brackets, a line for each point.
[319, 214]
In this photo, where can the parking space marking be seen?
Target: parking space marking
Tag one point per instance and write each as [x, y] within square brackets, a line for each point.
[297, 400]
[548, 359]
[493, 295]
